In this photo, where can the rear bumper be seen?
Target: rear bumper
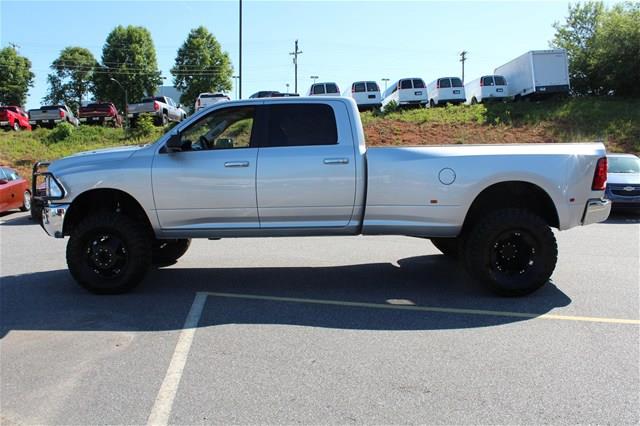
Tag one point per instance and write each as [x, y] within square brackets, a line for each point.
[53, 219]
[596, 210]
[455, 101]
[97, 120]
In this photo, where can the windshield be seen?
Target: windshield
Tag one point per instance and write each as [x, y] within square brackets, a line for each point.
[623, 164]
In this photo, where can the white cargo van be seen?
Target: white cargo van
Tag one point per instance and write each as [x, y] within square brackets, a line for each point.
[538, 73]
[405, 92]
[324, 89]
[486, 88]
[446, 90]
[365, 93]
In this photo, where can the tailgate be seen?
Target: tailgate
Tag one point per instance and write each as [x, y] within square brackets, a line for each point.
[138, 108]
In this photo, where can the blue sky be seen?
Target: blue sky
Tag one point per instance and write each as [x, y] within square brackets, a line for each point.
[341, 41]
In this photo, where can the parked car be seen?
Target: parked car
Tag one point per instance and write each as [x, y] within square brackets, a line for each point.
[623, 181]
[300, 167]
[446, 90]
[537, 74]
[50, 115]
[365, 93]
[14, 117]
[14, 191]
[206, 99]
[162, 108]
[486, 88]
[406, 92]
[324, 89]
[100, 113]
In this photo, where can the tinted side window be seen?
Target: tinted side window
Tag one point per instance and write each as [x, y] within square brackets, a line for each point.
[358, 87]
[500, 81]
[444, 82]
[301, 125]
[418, 84]
[456, 82]
[332, 88]
[405, 84]
[487, 81]
[372, 87]
[318, 89]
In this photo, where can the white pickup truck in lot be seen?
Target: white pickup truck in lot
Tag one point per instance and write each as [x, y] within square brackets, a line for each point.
[300, 167]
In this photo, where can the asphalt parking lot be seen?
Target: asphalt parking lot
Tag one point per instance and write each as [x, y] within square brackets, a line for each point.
[321, 330]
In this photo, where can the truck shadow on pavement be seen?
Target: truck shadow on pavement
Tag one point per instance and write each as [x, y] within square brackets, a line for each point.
[52, 301]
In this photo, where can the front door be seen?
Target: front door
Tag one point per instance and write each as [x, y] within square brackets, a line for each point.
[210, 184]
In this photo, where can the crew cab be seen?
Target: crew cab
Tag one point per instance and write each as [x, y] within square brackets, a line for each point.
[100, 113]
[14, 117]
[50, 115]
[300, 167]
[162, 108]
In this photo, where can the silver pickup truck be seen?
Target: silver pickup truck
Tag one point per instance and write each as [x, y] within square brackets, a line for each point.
[300, 167]
[50, 115]
[162, 108]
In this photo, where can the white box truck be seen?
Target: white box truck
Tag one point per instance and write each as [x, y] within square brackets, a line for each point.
[537, 73]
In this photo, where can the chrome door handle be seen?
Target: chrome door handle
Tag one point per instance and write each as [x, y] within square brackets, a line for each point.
[336, 161]
[236, 164]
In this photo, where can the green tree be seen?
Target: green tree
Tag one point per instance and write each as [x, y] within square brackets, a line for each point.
[616, 50]
[72, 77]
[129, 57]
[201, 66]
[578, 36]
[16, 77]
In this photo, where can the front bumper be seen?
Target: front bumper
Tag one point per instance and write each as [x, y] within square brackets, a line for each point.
[53, 219]
[596, 210]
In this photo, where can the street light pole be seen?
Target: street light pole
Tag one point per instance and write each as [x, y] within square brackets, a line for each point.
[236, 77]
[287, 87]
[386, 81]
[126, 101]
[295, 54]
[314, 78]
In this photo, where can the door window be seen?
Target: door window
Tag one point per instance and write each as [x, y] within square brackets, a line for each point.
[444, 83]
[487, 81]
[223, 129]
[318, 89]
[358, 87]
[406, 84]
[301, 125]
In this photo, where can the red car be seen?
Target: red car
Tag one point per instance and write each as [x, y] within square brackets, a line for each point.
[13, 117]
[100, 113]
[14, 191]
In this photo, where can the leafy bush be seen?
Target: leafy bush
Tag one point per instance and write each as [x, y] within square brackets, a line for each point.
[391, 107]
[61, 132]
[143, 129]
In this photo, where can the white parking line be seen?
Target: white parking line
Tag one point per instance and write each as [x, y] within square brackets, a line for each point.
[164, 401]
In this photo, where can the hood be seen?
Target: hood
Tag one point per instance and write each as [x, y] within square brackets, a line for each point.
[93, 158]
[624, 178]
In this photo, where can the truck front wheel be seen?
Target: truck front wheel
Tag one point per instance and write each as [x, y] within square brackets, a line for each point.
[513, 251]
[166, 252]
[109, 253]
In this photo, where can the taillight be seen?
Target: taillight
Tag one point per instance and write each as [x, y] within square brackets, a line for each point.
[198, 101]
[61, 113]
[438, 84]
[156, 106]
[481, 82]
[600, 176]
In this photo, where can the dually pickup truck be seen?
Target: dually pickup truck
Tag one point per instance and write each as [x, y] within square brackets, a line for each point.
[300, 167]
[163, 109]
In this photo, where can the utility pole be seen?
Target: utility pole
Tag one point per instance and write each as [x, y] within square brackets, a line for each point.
[463, 57]
[295, 54]
[240, 62]
[14, 46]
[386, 81]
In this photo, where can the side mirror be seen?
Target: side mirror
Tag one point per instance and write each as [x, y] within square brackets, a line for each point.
[174, 144]
[3, 181]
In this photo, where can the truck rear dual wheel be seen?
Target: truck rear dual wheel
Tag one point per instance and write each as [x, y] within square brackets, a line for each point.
[513, 251]
[109, 253]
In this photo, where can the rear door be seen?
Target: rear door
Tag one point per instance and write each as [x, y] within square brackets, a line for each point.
[306, 169]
